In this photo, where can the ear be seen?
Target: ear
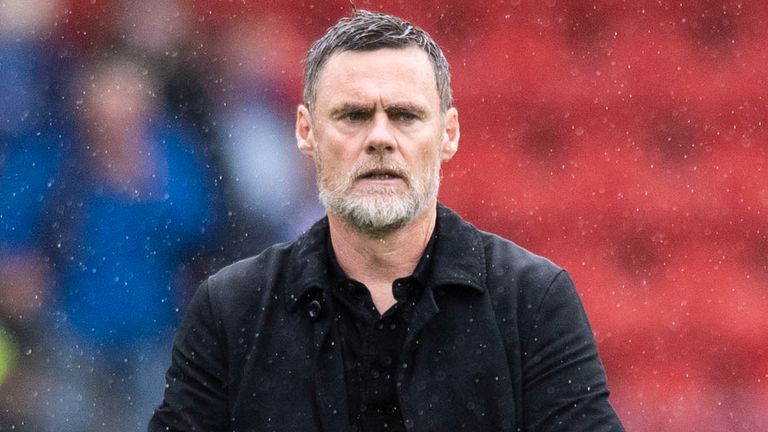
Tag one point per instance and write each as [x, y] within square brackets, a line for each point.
[451, 134]
[305, 138]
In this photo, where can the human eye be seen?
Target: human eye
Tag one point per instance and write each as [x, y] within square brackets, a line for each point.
[404, 116]
[354, 116]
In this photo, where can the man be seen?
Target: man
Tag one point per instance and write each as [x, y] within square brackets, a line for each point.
[392, 313]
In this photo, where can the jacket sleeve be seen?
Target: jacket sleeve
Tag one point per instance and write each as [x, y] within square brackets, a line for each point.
[564, 384]
[196, 382]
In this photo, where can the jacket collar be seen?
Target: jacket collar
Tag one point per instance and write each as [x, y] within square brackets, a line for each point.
[459, 259]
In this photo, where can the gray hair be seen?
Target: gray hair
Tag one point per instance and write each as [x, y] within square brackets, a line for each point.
[368, 31]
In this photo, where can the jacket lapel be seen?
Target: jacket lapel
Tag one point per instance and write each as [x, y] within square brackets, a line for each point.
[424, 311]
[330, 385]
[306, 294]
[451, 268]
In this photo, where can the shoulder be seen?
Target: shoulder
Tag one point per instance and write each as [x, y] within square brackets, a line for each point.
[523, 280]
[502, 262]
[524, 285]
[518, 281]
[278, 275]
[243, 282]
[507, 261]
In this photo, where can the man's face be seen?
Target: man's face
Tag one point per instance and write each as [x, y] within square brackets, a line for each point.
[377, 136]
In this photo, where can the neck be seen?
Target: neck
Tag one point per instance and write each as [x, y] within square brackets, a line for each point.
[377, 261]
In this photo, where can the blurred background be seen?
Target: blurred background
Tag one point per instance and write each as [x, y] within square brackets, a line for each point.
[145, 144]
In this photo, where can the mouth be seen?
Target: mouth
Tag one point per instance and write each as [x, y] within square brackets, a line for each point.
[381, 174]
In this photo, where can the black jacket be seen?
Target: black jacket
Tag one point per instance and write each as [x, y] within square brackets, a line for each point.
[502, 344]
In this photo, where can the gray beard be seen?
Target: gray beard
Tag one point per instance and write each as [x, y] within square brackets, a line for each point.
[379, 210]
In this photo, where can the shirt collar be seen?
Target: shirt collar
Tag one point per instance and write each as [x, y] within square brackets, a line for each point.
[454, 257]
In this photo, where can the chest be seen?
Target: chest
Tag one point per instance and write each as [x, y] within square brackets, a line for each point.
[453, 373]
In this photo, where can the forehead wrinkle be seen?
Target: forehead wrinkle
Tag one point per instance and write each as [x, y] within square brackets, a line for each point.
[346, 77]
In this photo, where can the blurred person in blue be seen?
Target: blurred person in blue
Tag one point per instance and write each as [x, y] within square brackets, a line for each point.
[29, 170]
[268, 185]
[392, 313]
[33, 143]
[136, 207]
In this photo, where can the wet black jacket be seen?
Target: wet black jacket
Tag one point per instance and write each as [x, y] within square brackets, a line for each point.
[501, 343]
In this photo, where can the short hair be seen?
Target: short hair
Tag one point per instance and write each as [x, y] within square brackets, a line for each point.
[368, 31]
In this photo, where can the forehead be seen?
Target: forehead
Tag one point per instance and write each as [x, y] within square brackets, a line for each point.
[380, 75]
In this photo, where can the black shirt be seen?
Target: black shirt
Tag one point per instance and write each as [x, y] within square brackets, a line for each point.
[371, 343]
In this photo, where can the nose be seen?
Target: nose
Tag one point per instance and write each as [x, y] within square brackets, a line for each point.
[381, 137]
